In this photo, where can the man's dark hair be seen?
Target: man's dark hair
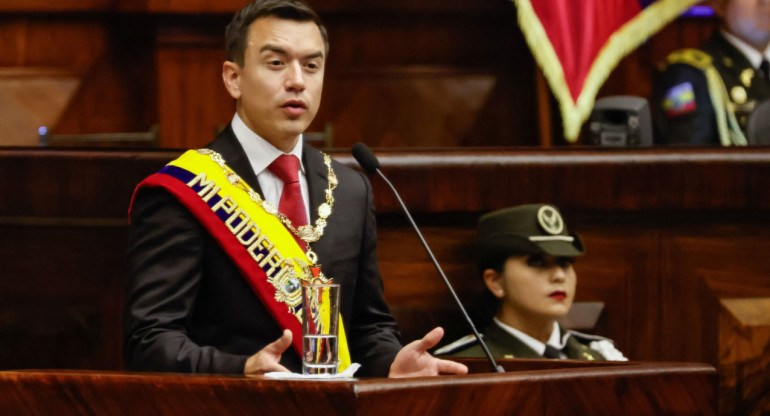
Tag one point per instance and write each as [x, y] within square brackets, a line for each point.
[237, 32]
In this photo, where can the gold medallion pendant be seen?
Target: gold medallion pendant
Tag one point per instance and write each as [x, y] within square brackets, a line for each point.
[288, 285]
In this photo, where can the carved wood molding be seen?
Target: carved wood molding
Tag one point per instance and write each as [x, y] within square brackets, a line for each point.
[744, 356]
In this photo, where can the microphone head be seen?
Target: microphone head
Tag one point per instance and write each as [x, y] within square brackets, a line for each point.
[365, 158]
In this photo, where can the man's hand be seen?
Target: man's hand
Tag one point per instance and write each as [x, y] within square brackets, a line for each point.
[268, 359]
[414, 361]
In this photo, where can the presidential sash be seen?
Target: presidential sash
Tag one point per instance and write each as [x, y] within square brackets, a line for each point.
[262, 248]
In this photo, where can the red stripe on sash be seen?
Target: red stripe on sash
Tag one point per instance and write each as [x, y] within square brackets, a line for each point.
[251, 271]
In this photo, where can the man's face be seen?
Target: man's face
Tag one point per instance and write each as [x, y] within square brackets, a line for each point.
[278, 89]
[749, 20]
[538, 286]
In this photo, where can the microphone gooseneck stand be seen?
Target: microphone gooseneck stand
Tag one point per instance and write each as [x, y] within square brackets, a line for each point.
[370, 164]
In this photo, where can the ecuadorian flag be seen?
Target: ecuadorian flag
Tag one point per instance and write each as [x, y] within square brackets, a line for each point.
[577, 43]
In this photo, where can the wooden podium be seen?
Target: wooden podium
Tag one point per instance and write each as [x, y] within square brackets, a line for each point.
[529, 387]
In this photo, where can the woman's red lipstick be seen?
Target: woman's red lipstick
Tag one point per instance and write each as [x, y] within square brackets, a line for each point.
[558, 295]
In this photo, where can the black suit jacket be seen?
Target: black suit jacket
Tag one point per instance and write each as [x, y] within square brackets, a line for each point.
[699, 127]
[189, 309]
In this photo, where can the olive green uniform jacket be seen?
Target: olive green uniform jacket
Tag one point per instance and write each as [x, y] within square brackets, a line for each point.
[503, 344]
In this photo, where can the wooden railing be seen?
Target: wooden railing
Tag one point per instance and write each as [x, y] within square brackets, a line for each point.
[529, 387]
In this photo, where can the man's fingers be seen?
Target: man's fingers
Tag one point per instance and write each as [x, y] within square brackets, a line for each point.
[277, 368]
[451, 367]
[431, 339]
[262, 364]
[281, 344]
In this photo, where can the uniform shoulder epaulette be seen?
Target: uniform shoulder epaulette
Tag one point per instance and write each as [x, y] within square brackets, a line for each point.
[586, 338]
[605, 346]
[692, 57]
[459, 345]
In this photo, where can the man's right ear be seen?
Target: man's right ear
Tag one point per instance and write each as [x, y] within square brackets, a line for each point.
[231, 75]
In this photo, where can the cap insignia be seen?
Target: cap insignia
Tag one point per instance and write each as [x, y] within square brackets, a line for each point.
[550, 220]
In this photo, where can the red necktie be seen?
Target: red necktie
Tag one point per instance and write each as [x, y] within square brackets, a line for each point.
[286, 168]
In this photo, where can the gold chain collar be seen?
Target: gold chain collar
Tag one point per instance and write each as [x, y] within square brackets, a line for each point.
[306, 233]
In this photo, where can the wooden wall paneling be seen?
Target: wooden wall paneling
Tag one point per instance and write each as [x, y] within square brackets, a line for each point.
[30, 98]
[320, 6]
[118, 92]
[42, 64]
[700, 273]
[108, 55]
[744, 355]
[448, 84]
[544, 98]
[407, 79]
[462, 36]
[713, 260]
[181, 6]
[63, 218]
[25, 6]
[61, 297]
[70, 43]
[402, 78]
[405, 108]
[413, 285]
[615, 270]
[192, 98]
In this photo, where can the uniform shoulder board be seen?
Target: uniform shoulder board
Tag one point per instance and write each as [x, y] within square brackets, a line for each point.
[458, 345]
[693, 57]
[605, 346]
[585, 338]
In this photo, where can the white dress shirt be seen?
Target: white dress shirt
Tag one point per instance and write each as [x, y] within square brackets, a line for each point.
[555, 340]
[261, 154]
[754, 56]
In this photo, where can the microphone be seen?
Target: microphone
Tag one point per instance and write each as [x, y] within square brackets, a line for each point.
[370, 164]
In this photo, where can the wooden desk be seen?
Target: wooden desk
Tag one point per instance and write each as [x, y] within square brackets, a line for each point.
[531, 387]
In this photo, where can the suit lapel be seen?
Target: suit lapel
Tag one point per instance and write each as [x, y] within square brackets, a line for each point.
[317, 183]
[231, 150]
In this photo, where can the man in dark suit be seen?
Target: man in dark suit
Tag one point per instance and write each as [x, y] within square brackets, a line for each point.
[705, 97]
[189, 308]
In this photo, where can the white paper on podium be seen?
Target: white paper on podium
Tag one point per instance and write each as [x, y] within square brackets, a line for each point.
[346, 375]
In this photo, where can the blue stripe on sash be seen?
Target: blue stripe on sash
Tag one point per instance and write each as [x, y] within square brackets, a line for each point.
[185, 176]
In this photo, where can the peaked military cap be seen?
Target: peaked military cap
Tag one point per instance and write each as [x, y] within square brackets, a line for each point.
[525, 229]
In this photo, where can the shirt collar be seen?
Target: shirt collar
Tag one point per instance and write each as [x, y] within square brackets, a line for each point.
[258, 150]
[554, 340]
[754, 56]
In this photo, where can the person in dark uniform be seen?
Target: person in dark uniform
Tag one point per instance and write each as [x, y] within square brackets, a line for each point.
[525, 258]
[705, 97]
